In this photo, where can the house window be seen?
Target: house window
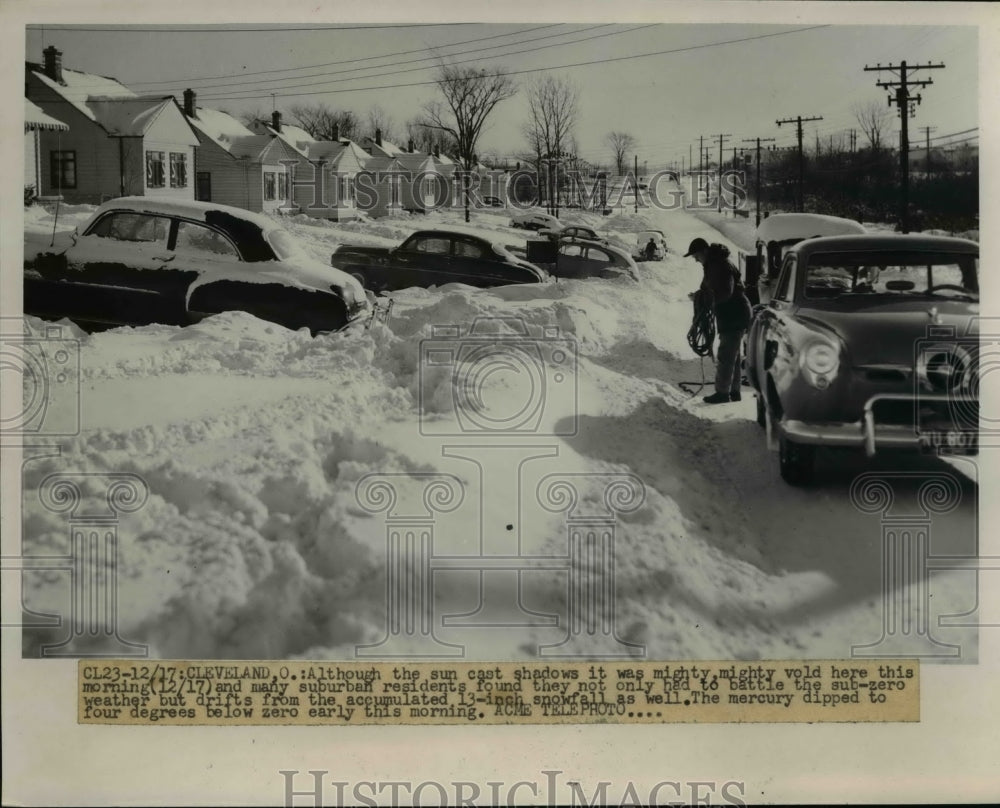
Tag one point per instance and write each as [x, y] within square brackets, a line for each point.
[155, 177]
[178, 170]
[63, 168]
[282, 186]
[270, 189]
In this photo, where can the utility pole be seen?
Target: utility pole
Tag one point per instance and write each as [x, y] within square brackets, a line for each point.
[907, 104]
[718, 191]
[701, 160]
[759, 140]
[635, 183]
[799, 120]
[927, 147]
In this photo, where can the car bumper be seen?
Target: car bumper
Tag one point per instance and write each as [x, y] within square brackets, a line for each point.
[872, 435]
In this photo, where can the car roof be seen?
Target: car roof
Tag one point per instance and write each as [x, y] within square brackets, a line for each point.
[600, 245]
[186, 208]
[886, 242]
[787, 226]
[445, 234]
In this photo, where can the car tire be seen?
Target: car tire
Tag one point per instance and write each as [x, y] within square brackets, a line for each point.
[797, 461]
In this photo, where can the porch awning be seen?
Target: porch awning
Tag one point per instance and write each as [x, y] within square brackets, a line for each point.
[34, 118]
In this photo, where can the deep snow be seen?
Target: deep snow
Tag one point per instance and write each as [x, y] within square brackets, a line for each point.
[252, 440]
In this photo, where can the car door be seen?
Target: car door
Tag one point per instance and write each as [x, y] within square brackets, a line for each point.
[421, 260]
[767, 338]
[119, 272]
[571, 260]
[201, 253]
[475, 263]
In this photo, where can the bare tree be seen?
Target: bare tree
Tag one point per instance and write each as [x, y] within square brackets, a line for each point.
[470, 95]
[621, 144]
[378, 118]
[323, 123]
[424, 138]
[874, 120]
[250, 117]
[553, 105]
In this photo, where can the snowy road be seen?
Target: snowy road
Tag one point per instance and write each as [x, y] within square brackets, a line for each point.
[256, 444]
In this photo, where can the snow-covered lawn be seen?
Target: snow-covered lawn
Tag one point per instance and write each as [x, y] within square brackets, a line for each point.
[253, 441]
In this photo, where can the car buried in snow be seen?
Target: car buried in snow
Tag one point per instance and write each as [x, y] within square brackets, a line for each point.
[535, 220]
[435, 257]
[650, 245]
[142, 260]
[868, 342]
[593, 259]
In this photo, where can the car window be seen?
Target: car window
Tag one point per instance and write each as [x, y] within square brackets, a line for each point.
[468, 249]
[429, 244]
[135, 227]
[595, 254]
[572, 250]
[786, 280]
[196, 239]
[832, 275]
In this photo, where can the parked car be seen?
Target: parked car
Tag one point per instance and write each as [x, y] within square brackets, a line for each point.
[644, 251]
[591, 259]
[493, 201]
[434, 257]
[141, 260]
[533, 220]
[780, 231]
[866, 343]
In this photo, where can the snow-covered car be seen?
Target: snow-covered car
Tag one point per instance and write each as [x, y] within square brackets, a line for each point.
[435, 257]
[493, 201]
[779, 231]
[867, 343]
[533, 220]
[592, 259]
[650, 245]
[142, 260]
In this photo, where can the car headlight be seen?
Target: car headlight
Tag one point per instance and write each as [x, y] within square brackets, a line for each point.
[820, 361]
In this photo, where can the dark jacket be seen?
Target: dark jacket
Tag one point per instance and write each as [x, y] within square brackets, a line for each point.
[722, 282]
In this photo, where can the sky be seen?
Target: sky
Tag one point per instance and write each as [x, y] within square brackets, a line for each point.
[666, 84]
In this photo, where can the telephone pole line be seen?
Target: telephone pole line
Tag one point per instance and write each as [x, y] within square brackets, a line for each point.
[900, 95]
[927, 147]
[718, 191]
[759, 140]
[799, 120]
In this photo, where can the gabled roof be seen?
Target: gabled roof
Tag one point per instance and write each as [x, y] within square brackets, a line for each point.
[262, 149]
[383, 163]
[78, 87]
[414, 161]
[295, 136]
[338, 153]
[221, 127]
[386, 149]
[129, 117]
[35, 118]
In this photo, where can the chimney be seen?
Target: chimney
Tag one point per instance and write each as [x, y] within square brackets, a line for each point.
[53, 63]
[336, 132]
[378, 137]
[189, 103]
[276, 121]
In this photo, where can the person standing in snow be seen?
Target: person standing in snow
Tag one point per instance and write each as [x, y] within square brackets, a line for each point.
[731, 306]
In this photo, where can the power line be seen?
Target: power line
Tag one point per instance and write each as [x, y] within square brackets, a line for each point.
[428, 58]
[230, 30]
[459, 62]
[544, 69]
[353, 61]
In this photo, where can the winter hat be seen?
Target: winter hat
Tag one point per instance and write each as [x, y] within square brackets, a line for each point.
[697, 245]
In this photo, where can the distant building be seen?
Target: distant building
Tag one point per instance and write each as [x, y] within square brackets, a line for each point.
[234, 166]
[118, 143]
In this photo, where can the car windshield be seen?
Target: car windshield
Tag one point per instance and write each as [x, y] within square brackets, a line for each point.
[284, 244]
[945, 275]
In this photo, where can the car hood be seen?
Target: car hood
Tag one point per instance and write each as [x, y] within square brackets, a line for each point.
[889, 334]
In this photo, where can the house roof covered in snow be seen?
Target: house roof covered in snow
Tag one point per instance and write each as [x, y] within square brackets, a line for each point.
[78, 87]
[128, 117]
[338, 152]
[221, 127]
[262, 148]
[295, 136]
[35, 118]
[385, 148]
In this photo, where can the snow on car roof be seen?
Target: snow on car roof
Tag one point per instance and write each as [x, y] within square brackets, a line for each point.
[787, 226]
[887, 242]
[186, 208]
